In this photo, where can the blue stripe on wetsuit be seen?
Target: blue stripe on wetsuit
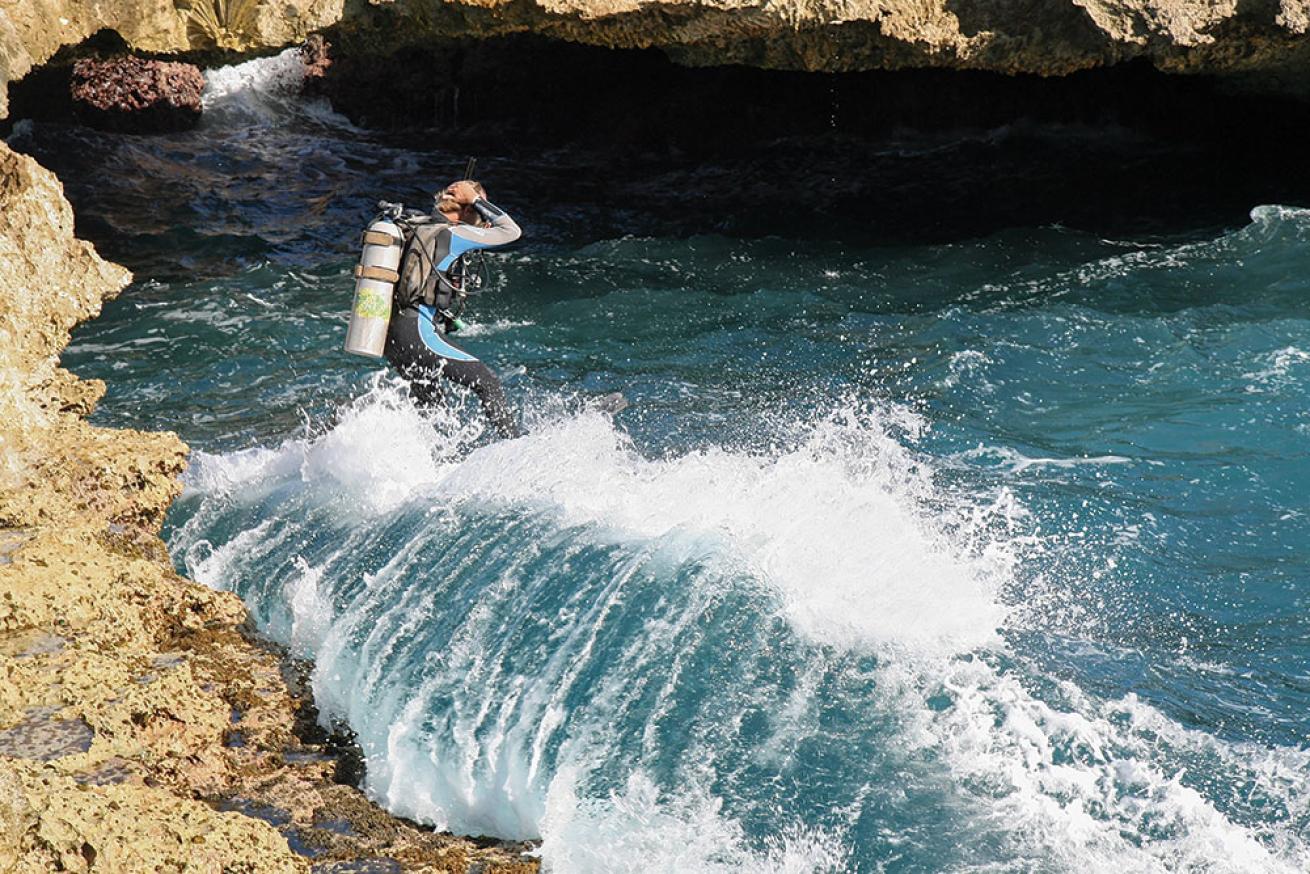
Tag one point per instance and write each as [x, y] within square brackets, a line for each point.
[431, 337]
[458, 246]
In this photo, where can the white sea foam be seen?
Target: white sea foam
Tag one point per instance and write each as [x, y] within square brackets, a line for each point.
[1016, 462]
[264, 91]
[220, 567]
[1100, 786]
[640, 829]
[221, 474]
[1269, 221]
[968, 366]
[498, 326]
[22, 129]
[1269, 214]
[378, 455]
[1278, 368]
[311, 615]
[836, 526]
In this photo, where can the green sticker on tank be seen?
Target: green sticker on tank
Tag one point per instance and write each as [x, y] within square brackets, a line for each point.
[371, 305]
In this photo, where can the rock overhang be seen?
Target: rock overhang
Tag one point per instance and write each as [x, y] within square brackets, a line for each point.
[1262, 47]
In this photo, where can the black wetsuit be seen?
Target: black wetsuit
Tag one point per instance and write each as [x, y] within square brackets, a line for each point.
[417, 345]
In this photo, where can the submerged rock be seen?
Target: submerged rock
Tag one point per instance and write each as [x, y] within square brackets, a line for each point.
[316, 54]
[136, 95]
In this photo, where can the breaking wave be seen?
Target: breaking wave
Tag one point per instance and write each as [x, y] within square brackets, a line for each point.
[637, 659]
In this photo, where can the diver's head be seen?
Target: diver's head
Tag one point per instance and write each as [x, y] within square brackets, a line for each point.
[455, 201]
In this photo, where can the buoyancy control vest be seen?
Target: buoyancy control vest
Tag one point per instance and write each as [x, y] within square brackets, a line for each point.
[437, 269]
[421, 279]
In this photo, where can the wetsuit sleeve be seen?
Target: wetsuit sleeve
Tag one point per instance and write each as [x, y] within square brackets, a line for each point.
[503, 228]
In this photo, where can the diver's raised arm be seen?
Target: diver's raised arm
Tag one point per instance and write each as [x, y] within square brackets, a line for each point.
[465, 205]
[503, 228]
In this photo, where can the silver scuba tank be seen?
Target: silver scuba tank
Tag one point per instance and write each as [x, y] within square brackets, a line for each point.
[375, 282]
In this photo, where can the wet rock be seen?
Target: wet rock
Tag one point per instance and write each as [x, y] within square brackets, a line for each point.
[309, 843]
[29, 642]
[43, 736]
[136, 95]
[335, 824]
[11, 540]
[110, 772]
[359, 866]
[274, 816]
[317, 58]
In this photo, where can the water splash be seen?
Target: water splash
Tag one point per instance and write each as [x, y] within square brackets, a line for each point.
[546, 637]
[264, 92]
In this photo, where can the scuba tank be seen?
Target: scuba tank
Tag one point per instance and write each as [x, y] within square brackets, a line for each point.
[375, 281]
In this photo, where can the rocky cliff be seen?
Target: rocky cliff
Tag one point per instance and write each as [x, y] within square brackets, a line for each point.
[1264, 45]
[1265, 42]
[139, 729]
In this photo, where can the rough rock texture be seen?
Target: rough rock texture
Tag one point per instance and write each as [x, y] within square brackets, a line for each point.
[1264, 44]
[135, 94]
[1048, 37]
[316, 55]
[31, 31]
[139, 729]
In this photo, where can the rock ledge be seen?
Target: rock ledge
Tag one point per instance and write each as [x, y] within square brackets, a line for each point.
[139, 729]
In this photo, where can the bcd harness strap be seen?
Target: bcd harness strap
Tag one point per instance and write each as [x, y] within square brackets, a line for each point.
[433, 280]
[382, 274]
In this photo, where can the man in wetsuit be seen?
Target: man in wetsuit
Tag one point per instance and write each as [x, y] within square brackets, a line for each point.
[430, 290]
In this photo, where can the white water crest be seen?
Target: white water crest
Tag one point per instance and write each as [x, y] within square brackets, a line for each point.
[838, 527]
[537, 717]
[264, 91]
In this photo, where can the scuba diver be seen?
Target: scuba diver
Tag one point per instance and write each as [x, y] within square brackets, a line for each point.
[435, 279]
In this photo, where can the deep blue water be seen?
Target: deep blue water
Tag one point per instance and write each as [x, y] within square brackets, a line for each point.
[986, 555]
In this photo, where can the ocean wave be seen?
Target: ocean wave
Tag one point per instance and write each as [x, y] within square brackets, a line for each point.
[556, 637]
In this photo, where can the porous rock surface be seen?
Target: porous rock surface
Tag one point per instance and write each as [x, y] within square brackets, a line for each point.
[1263, 44]
[31, 31]
[139, 729]
[136, 94]
[1265, 41]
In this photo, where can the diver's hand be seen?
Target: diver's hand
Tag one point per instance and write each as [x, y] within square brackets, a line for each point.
[462, 192]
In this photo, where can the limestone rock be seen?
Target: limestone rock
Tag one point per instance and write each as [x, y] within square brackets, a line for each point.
[122, 684]
[1266, 45]
[37, 312]
[59, 824]
[31, 31]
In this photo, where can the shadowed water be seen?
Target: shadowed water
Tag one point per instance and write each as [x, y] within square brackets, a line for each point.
[981, 555]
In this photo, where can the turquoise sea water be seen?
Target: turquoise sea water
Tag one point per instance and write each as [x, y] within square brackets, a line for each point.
[989, 554]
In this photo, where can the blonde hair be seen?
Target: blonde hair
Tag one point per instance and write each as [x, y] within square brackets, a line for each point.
[482, 192]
